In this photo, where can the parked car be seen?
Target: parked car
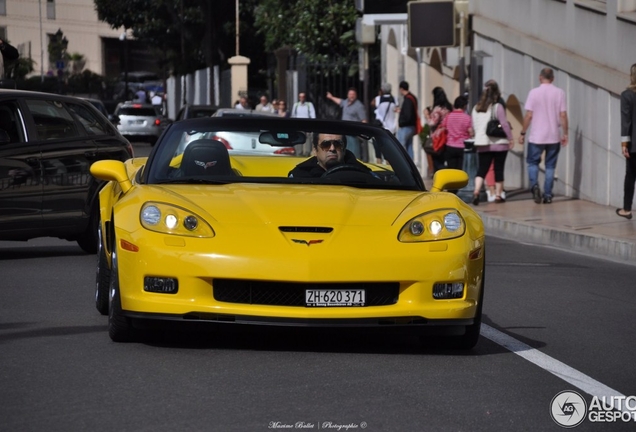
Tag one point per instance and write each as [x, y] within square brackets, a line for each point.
[97, 103]
[140, 122]
[47, 145]
[236, 112]
[196, 234]
[196, 111]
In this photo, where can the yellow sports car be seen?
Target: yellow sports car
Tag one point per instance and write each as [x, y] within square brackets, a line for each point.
[202, 232]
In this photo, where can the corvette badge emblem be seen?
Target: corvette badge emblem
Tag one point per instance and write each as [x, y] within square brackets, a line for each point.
[205, 165]
[307, 242]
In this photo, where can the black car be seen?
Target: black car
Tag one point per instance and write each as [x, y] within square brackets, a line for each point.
[196, 111]
[47, 145]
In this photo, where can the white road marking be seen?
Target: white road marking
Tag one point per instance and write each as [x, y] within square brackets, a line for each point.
[570, 375]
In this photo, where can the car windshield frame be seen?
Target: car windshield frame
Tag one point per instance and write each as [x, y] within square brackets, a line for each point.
[163, 164]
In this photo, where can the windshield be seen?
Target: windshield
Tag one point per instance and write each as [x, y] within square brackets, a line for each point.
[279, 151]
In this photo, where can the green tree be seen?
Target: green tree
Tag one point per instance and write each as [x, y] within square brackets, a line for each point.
[319, 29]
[173, 28]
[19, 68]
[57, 47]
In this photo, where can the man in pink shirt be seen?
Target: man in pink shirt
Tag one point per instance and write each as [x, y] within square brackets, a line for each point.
[546, 110]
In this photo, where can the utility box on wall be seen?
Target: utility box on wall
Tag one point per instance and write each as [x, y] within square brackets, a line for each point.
[365, 34]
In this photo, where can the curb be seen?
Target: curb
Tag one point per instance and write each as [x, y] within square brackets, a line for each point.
[569, 240]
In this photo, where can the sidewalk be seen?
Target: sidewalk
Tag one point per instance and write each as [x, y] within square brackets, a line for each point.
[571, 224]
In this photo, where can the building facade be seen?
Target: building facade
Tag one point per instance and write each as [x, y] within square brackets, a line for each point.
[590, 44]
[28, 25]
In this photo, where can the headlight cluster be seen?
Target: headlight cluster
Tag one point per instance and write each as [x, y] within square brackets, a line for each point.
[170, 219]
[441, 224]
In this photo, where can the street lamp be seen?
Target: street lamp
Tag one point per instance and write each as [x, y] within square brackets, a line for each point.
[123, 38]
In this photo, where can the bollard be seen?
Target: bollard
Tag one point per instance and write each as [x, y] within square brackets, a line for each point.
[471, 163]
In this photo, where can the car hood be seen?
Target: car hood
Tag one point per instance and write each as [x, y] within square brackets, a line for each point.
[296, 205]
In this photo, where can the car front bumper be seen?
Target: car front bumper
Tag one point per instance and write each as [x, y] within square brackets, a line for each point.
[415, 268]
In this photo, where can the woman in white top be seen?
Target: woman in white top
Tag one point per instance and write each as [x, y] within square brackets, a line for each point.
[489, 148]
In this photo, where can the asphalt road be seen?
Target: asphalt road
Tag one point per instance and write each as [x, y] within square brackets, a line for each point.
[59, 371]
[554, 321]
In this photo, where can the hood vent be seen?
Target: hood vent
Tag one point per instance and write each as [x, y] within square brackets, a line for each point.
[305, 229]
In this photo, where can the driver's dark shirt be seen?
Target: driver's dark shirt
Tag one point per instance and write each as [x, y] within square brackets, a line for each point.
[311, 169]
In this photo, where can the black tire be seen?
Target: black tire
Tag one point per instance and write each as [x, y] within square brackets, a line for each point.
[469, 339]
[88, 240]
[102, 282]
[119, 327]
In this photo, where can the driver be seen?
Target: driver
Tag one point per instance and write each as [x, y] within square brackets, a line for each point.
[330, 152]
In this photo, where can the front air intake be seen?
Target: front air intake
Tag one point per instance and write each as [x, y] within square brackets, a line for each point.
[305, 229]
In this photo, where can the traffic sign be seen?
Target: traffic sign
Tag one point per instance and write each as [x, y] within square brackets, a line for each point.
[381, 6]
[431, 23]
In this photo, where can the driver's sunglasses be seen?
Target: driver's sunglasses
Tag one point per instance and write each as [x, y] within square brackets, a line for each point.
[326, 145]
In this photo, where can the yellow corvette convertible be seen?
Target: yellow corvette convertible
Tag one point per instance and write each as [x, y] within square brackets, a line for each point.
[211, 228]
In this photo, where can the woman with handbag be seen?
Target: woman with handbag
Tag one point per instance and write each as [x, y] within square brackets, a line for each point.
[493, 139]
[434, 118]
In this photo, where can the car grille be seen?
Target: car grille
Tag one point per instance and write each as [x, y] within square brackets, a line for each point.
[293, 294]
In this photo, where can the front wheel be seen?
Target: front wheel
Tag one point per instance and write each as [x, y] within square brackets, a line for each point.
[88, 239]
[469, 339]
[102, 282]
[119, 327]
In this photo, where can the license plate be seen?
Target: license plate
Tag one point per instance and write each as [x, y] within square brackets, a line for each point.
[334, 298]
[136, 122]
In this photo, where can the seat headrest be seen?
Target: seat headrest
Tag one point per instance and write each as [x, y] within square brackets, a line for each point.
[206, 157]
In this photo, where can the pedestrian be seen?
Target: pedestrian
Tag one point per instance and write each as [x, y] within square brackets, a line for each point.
[282, 109]
[385, 106]
[264, 105]
[435, 117]
[546, 109]
[352, 110]
[409, 119]
[628, 138]
[156, 100]
[490, 176]
[303, 108]
[490, 148]
[460, 128]
[9, 52]
[242, 103]
[141, 96]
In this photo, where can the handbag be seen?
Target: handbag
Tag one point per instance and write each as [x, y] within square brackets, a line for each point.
[428, 146]
[494, 128]
[440, 136]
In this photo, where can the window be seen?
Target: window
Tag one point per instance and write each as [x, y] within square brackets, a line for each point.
[89, 120]
[50, 9]
[52, 120]
[3, 33]
[626, 6]
[10, 124]
[3, 7]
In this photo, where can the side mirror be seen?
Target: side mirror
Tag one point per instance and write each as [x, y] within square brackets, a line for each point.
[114, 119]
[449, 179]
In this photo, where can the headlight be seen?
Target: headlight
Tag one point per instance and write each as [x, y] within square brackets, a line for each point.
[169, 219]
[441, 224]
